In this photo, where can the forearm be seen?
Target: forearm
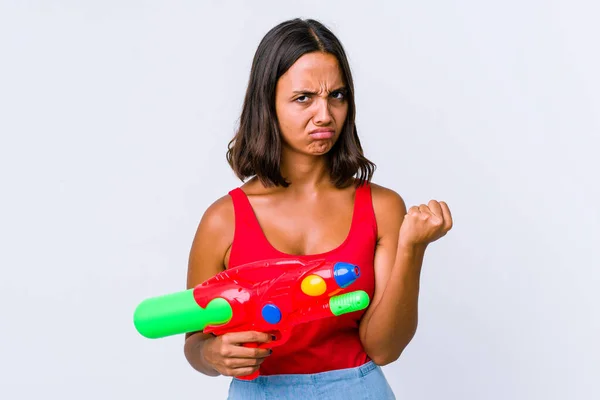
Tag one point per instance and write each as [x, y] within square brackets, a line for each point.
[193, 353]
[390, 326]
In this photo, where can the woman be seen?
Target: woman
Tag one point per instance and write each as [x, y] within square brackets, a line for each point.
[309, 196]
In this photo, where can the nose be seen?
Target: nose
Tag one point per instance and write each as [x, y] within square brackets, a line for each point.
[345, 273]
[322, 113]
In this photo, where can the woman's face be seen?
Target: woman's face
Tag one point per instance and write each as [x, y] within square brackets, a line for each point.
[311, 104]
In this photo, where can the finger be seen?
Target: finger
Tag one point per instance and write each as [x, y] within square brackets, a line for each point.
[447, 215]
[233, 363]
[414, 210]
[241, 371]
[237, 351]
[435, 208]
[247, 337]
[425, 210]
[436, 212]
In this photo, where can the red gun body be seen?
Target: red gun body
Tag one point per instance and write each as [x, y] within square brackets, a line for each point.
[273, 296]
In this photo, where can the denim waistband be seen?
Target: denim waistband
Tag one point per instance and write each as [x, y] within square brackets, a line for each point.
[309, 379]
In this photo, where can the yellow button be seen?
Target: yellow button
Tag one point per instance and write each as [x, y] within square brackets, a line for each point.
[313, 285]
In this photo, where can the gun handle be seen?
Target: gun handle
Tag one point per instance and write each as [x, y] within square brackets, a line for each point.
[256, 373]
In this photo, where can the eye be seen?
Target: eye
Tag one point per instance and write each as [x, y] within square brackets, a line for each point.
[338, 95]
[302, 99]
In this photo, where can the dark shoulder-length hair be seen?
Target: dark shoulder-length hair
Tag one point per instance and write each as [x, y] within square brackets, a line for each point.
[255, 150]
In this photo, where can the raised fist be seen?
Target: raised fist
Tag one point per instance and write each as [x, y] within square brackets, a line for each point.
[425, 224]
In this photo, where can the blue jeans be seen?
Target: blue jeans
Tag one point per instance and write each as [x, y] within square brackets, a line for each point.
[366, 382]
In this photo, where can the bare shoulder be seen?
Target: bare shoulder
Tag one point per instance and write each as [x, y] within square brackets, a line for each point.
[219, 216]
[386, 201]
[389, 208]
[212, 241]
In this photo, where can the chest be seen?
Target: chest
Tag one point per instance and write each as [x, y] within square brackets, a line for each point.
[311, 226]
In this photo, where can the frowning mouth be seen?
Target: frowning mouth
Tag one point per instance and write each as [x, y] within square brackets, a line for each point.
[322, 133]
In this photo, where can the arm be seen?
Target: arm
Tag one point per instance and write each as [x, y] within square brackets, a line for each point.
[207, 258]
[391, 321]
[222, 355]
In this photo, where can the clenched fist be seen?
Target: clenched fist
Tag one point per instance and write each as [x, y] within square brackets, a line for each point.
[425, 224]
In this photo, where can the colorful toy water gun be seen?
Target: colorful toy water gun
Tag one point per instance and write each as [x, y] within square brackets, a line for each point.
[270, 296]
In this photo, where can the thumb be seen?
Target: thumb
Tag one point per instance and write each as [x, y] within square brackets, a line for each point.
[247, 337]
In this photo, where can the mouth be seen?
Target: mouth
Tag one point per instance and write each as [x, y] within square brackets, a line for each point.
[322, 133]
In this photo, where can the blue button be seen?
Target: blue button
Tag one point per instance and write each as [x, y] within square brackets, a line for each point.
[271, 313]
[345, 273]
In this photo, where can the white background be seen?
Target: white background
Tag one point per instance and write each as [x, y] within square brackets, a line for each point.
[114, 121]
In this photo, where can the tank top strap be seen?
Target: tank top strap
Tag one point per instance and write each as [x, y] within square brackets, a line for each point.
[249, 241]
[365, 214]
[245, 219]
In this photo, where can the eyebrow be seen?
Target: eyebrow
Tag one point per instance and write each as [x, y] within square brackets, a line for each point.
[309, 91]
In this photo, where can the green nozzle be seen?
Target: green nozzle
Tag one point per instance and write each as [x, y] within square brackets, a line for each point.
[349, 302]
[177, 313]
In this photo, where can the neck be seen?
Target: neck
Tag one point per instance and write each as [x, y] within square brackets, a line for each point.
[304, 172]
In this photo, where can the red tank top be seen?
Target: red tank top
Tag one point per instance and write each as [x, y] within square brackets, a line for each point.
[328, 344]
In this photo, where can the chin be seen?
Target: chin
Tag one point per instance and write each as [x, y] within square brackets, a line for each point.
[320, 148]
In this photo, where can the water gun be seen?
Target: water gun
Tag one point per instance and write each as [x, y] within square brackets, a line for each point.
[270, 296]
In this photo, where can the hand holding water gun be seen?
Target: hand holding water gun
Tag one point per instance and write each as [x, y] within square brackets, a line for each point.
[270, 297]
